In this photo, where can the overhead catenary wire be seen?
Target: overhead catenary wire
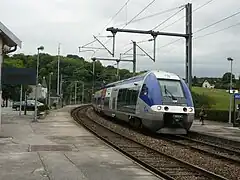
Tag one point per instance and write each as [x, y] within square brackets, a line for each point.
[201, 36]
[168, 18]
[153, 15]
[133, 18]
[217, 22]
[111, 19]
[172, 42]
[208, 26]
[205, 4]
[138, 42]
[115, 16]
[89, 43]
[139, 13]
[220, 30]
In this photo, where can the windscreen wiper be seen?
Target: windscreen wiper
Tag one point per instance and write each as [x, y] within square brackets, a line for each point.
[167, 91]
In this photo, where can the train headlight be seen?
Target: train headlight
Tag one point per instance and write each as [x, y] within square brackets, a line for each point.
[190, 109]
[159, 108]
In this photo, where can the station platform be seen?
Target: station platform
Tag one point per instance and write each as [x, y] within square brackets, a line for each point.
[57, 148]
[219, 129]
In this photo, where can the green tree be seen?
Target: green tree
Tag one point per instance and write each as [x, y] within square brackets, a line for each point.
[227, 76]
[72, 67]
[195, 81]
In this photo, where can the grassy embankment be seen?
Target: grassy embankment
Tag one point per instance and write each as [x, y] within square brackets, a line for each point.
[220, 95]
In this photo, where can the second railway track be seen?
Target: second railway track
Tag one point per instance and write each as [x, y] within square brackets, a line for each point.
[162, 164]
[219, 141]
[217, 151]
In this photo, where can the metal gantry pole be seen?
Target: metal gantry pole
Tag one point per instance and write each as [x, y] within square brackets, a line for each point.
[75, 94]
[154, 48]
[118, 69]
[134, 57]
[71, 95]
[36, 90]
[230, 91]
[93, 86]
[21, 93]
[189, 44]
[82, 92]
[58, 70]
[114, 39]
[49, 90]
[61, 89]
[25, 107]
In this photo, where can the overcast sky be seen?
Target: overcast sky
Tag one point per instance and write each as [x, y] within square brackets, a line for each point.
[74, 22]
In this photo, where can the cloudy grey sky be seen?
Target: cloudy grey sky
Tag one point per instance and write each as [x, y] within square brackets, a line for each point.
[74, 22]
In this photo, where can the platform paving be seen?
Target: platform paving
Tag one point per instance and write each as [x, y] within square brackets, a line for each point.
[57, 148]
[219, 129]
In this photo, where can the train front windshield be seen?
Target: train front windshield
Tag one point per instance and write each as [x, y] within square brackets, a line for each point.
[171, 88]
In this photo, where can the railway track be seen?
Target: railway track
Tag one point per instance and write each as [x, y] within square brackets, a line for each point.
[214, 150]
[160, 163]
[222, 142]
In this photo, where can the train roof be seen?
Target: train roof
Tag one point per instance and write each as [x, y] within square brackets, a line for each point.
[159, 75]
[165, 75]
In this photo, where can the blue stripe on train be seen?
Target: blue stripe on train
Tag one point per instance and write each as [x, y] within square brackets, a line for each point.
[187, 93]
[154, 93]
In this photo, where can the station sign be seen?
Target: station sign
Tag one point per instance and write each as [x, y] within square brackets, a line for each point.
[17, 76]
[237, 96]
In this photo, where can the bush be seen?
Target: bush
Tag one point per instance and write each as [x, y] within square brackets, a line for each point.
[215, 115]
[200, 100]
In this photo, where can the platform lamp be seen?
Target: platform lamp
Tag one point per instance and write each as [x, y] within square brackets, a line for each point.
[41, 48]
[230, 97]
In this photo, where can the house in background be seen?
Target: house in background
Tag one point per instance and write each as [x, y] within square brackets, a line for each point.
[206, 84]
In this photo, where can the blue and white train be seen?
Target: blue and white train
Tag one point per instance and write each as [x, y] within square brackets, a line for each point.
[157, 100]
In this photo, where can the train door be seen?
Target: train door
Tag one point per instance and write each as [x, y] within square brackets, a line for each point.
[114, 98]
[108, 99]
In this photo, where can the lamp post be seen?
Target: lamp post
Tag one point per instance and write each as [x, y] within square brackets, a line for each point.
[230, 97]
[36, 88]
[58, 73]
[49, 88]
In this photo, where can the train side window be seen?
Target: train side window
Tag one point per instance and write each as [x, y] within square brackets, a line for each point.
[124, 97]
[119, 98]
[128, 97]
[121, 101]
[134, 96]
[113, 103]
[106, 101]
